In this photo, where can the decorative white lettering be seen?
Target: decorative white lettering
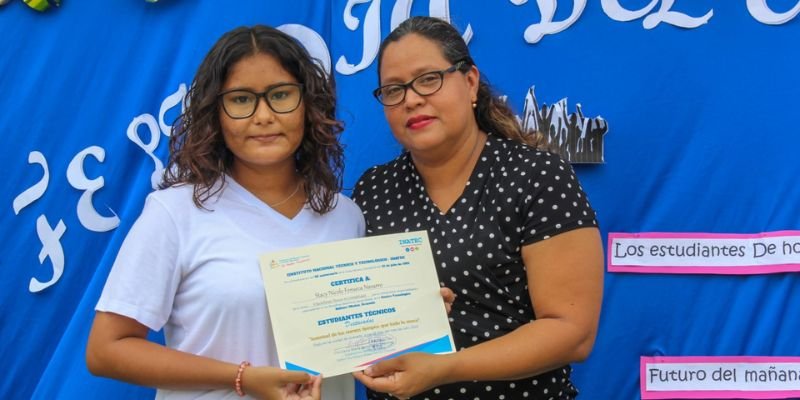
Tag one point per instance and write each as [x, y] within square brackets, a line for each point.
[51, 248]
[149, 148]
[372, 35]
[615, 11]
[436, 8]
[36, 191]
[87, 214]
[169, 102]
[762, 13]
[547, 9]
[674, 18]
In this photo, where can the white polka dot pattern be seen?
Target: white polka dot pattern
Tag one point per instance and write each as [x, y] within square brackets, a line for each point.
[515, 196]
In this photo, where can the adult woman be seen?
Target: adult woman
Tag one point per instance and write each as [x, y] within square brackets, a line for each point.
[245, 176]
[511, 230]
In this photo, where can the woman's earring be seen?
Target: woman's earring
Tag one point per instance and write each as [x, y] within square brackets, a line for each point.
[474, 104]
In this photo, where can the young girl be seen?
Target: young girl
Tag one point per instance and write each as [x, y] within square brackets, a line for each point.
[254, 167]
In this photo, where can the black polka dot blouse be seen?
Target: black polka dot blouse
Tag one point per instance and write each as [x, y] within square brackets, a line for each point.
[515, 196]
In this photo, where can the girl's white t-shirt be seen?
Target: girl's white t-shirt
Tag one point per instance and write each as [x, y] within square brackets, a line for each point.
[195, 273]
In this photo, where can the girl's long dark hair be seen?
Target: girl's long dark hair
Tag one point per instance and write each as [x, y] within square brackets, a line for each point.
[198, 155]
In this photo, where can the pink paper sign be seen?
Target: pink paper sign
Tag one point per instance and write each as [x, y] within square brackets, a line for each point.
[728, 377]
[704, 253]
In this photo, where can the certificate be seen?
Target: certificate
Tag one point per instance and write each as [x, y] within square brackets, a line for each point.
[338, 307]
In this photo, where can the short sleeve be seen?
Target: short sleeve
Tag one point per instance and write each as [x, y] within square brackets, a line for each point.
[555, 202]
[145, 275]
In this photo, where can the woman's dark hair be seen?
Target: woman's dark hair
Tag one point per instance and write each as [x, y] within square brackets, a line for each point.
[492, 114]
[198, 155]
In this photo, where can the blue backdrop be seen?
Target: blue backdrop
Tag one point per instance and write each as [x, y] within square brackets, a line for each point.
[701, 98]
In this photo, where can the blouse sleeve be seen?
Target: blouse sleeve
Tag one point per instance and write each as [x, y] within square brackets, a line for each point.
[554, 202]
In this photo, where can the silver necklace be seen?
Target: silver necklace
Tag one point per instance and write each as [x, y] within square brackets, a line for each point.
[296, 189]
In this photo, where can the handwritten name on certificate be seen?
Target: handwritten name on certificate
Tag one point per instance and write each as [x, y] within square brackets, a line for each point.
[338, 307]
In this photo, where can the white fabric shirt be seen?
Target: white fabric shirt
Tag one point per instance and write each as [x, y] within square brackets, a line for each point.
[195, 273]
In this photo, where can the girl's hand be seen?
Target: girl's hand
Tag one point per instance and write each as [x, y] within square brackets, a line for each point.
[309, 391]
[271, 383]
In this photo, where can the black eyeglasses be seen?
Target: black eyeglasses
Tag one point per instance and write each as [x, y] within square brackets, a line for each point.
[423, 85]
[281, 98]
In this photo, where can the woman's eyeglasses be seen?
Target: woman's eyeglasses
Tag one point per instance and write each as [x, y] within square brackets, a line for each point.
[423, 85]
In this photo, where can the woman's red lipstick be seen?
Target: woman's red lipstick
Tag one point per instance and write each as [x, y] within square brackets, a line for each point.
[419, 121]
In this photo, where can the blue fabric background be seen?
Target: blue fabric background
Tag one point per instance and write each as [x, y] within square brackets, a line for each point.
[704, 137]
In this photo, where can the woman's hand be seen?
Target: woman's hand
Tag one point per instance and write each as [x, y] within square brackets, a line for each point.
[405, 376]
[271, 383]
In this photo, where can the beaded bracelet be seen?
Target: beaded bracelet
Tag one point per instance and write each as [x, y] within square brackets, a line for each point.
[237, 385]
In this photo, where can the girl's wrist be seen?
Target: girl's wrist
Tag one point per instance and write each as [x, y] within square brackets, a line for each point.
[238, 383]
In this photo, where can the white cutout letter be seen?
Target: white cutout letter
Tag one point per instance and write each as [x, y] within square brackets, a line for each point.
[762, 13]
[372, 35]
[171, 101]
[36, 191]
[149, 148]
[615, 11]
[436, 8]
[87, 215]
[674, 18]
[547, 8]
[51, 247]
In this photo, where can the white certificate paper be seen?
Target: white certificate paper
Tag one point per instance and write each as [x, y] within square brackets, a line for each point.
[338, 307]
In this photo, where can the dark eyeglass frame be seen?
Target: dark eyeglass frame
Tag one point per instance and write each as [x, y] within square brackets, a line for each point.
[263, 95]
[410, 84]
